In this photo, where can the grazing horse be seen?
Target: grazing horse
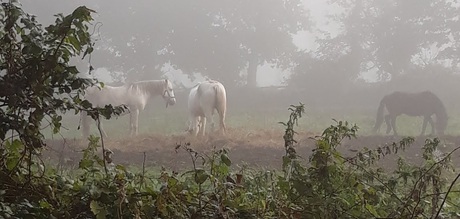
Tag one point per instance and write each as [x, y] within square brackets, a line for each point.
[133, 95]
[203, 99]
[412, 104]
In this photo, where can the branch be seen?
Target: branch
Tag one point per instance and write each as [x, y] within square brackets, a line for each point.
[447, 194]
[98, 121]
[429, 169]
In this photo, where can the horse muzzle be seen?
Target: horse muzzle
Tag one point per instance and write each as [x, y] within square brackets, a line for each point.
[170, 101]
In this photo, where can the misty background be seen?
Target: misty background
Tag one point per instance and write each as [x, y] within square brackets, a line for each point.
[327, 54]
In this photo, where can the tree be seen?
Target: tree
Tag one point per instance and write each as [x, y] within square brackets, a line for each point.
[34, 62]
[391, 36]
[37, 85]
[230, 36]
[217, 39]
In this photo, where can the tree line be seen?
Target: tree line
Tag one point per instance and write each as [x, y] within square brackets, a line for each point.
[223, 39]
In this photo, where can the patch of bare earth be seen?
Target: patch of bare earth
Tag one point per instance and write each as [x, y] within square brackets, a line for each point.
[256, 148]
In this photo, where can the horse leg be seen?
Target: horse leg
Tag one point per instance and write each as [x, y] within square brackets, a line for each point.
[393, 124]
[430, 120]
[425, 120]
[130, 123]
[388, 123]
[195, 125]
[203, 125]
[213, 126]
[134, 122]
[208, 116]
[222, 124]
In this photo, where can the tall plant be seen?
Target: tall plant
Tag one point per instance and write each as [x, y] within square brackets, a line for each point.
[37, 85]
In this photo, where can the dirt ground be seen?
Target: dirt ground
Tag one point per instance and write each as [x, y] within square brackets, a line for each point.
[257, 149]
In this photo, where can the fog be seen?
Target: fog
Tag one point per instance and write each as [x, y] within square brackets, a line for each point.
[326, 54]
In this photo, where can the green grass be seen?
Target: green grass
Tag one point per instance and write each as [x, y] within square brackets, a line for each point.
[173, 120]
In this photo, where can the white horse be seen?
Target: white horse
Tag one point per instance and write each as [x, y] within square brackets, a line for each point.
[203, 99]
[134, 96]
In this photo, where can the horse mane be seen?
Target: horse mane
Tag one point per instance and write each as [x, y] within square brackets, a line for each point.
[148, 87]
[196, 85]
[211, 81]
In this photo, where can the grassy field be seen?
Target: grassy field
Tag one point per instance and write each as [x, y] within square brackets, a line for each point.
[254, 142]
[173, 121]
[254, 137]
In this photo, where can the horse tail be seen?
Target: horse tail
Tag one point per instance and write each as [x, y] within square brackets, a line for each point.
[84, 124]
[221, 104]
[379, 119]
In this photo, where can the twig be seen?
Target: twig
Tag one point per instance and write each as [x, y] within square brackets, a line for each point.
[143, 171]
[447, 194]
[98, 121]
[429, 169]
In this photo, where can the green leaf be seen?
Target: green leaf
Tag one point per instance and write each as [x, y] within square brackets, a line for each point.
[32, 49]
[86, 104]
[44, 204]
[201, 176]
[88, 51]
[75, 84]
[372, 210]
[225, 159]
[75, 43]
[14, 146]
[121, 167]
[97, 210]
[85, 163]
[11, 163]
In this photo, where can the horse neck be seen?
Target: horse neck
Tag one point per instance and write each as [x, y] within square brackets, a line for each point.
[150, 88]
[441, 112]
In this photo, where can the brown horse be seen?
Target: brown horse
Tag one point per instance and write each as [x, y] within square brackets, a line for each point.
[412, 104]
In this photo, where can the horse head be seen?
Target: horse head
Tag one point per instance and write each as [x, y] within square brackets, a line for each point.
[168, 93]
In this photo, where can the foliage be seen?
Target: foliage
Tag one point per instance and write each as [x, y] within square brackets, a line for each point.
[401, 44]
[333, 186]
[395, 36]
[330, 186]
[40, 84]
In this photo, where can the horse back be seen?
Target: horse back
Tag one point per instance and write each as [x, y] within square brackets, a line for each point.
[413, 104]
[212, 95]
